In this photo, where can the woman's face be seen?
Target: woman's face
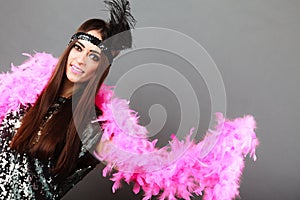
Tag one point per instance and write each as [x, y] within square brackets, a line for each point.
[83, 60]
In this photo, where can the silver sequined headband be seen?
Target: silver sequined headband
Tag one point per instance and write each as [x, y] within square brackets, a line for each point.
[95, 41]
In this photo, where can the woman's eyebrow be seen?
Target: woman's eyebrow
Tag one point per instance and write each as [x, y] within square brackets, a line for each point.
[81, 44]
[94, 51]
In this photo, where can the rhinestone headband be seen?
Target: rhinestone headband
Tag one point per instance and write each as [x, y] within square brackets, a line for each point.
[95, 41]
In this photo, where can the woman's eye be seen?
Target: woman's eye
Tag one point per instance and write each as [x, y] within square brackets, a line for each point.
[94, 57]
[77, 47]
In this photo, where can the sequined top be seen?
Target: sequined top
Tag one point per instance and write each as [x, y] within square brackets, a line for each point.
[24, 177]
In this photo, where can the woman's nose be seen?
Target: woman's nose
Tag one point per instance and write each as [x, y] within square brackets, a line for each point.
[81, 58]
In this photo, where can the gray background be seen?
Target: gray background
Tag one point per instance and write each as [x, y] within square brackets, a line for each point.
[255, 44]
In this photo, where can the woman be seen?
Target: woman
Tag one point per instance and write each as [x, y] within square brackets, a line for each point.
[44, 148]
[41, 153]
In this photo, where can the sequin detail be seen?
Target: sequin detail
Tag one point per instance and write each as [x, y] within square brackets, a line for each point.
[95, 41]
[24, 177]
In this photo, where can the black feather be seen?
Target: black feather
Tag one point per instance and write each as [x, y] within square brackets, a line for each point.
[121, 21]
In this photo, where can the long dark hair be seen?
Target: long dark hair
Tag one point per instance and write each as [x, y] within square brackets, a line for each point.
[59, 139]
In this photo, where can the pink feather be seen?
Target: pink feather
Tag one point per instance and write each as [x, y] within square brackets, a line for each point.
[181, 170]
[25, 82]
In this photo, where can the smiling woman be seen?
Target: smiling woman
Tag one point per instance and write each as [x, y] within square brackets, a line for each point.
[42, 155]
[58, 121]
[83, 60]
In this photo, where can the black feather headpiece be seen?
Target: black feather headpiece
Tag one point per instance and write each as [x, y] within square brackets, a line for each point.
[120, 23]
[119, 32]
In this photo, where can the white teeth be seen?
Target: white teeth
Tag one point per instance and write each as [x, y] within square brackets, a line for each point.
[75, 68]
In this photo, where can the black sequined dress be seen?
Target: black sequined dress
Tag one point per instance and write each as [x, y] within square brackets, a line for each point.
[24, 177]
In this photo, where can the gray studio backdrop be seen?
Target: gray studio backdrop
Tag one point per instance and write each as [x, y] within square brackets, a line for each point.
[254, 43]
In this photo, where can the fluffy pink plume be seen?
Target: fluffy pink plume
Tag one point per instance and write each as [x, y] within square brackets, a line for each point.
[182, 169]
[23, 84]
[212, 167]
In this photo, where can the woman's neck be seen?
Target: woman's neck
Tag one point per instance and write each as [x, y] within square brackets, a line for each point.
[67, 89]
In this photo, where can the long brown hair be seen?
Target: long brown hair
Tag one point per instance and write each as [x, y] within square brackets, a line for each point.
[59, 139]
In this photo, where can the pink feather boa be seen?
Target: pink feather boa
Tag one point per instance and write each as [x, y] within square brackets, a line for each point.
[177, 171]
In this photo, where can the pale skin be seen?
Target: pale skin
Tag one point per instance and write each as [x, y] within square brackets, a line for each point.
[83, 60]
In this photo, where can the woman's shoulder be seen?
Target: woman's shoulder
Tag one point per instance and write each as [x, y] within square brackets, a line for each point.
[23, 83]
[12, 121]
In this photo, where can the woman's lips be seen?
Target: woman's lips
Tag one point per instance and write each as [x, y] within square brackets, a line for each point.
[76, 69]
